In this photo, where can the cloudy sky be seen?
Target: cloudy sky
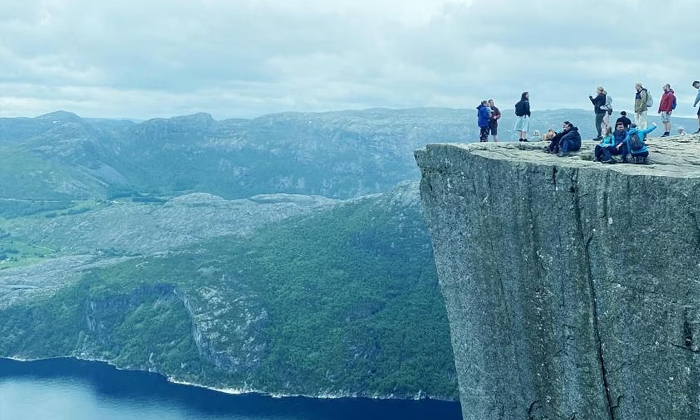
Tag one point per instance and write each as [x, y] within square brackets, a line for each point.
[245, 58]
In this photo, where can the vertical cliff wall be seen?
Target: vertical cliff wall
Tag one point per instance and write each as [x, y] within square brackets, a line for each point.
[572, 287]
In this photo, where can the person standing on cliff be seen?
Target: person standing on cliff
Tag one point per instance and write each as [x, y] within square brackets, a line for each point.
[599, 109]
[493, 122]
[522, 111]
[484, 117]
[696, 85]
[666, 106]
[626, 122]
[641, 105]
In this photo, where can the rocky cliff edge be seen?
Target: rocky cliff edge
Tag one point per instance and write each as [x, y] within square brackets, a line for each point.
[572, 287]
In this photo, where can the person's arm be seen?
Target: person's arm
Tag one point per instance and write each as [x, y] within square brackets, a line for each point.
[527, 108]
[697, 99]
[648, 130]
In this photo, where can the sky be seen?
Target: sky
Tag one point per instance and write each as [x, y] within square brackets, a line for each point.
[245, 58]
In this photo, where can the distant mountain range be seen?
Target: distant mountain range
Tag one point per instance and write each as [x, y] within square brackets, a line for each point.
[285, 254]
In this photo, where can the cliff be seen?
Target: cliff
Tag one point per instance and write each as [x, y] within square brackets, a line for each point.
[572, 287]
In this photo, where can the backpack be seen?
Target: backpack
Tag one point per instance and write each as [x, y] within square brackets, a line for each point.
[608, 104]
[519, 109]
[650, 100]
[673, 105]
[636, 142]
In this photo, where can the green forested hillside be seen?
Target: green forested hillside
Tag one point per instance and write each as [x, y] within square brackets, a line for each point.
[345, 301]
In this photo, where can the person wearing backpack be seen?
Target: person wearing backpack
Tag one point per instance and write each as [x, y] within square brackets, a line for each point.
[666, 106]
[599, 110]
[635, 144]
[642, 102]
[522, 111]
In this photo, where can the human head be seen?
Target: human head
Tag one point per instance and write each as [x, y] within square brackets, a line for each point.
[696, 84]
[566, 125]
[666, 87]
[491, 103]
[600, 89]
[623, 113]
[484, 102]
[620, 126]
[638, 86]
[608, 131]
[525, 95]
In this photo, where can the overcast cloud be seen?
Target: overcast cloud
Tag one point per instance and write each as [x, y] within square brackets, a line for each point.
[245, 58]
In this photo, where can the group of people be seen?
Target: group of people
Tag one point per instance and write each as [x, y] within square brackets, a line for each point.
[626, 140]
[643, 101]
[489, 114]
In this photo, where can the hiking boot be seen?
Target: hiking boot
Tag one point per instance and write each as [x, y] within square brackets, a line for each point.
[563, 154]
[697, 132]
[598, 138]
[611, 160]
[665, 134]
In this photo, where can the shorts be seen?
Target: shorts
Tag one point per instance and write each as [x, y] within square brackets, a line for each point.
[493, 128]
[665, 117]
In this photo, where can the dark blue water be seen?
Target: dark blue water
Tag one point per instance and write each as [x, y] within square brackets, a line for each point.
[68, 389]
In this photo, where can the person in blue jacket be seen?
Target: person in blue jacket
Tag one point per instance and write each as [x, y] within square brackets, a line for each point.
[607, 146]
[484, 114]
[636, 145]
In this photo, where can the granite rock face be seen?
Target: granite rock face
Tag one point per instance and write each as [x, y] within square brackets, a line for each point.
[572, 287]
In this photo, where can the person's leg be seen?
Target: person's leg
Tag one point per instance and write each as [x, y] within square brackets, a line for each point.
[667, 124]
[606, 122]
[698, 121]
[598, 125]
[564, 147]
[636, 119]
[493, 128]
[606, 154]
[483, 134]
[642, 120]
[598, 152]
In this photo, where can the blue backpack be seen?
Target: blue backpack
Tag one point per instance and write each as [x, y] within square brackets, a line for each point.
[636, 142]
[673, 106]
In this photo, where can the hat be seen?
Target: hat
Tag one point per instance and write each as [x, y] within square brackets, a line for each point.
[623, 113]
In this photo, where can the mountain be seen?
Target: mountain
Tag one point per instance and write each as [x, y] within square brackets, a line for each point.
[343, 301]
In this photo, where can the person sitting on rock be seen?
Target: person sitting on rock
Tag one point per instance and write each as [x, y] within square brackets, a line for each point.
[612, 144]
[636, 144]
[568, 140]
[549, 135]
[553, 146]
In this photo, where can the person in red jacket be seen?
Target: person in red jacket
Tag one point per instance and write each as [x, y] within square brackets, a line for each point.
[666, 105]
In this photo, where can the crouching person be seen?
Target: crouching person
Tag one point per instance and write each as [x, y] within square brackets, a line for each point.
[612, 144]
[636, 145]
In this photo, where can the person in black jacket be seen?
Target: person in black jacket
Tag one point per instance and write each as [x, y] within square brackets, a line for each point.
[570, 142]
[599, 109]
[626, 122]
[565, 141]
[522, 110]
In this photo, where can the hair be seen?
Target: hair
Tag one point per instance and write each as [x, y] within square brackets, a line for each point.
[490, 100]
[667, 85]
[608, 131]
[623, 113]
[697, 82]
[600, 88]
[484, 102]
[568, 124]
[524, 96]
[638, 84]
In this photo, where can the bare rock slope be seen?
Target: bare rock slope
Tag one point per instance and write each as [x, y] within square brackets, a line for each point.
[572, 287]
